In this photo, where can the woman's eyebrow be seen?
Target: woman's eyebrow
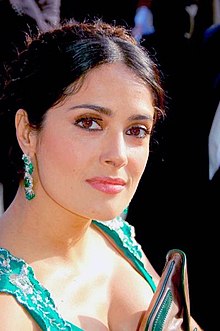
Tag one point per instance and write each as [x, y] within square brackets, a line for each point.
[108, 112]
[99, 109]
[141, 117]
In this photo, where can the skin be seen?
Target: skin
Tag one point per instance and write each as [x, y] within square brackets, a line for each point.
[108, 151]
[73, 154]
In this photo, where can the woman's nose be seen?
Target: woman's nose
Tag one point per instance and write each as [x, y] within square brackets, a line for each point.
[114, 151]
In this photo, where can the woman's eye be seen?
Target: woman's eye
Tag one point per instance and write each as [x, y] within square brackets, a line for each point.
[138, 132]
[88, 123]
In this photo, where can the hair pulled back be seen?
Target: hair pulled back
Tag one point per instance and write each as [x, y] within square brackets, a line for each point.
[41, 74]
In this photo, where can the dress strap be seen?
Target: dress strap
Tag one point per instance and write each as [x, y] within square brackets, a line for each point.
[123, 235]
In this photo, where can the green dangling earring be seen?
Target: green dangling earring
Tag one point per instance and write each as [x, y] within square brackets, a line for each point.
[28, 180]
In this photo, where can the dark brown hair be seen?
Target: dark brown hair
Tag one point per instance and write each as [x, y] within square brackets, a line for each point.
[51, 61]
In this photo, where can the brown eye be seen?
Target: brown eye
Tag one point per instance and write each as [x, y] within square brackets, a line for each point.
[88, 123]
[138, 131]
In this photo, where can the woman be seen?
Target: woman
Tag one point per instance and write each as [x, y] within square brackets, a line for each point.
[84, 99]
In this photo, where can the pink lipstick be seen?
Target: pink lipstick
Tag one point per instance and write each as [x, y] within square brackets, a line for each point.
[107, 184]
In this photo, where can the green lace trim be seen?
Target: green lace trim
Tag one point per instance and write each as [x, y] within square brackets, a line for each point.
[17, 278]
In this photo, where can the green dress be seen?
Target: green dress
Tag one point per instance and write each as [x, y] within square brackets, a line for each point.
[17, 277]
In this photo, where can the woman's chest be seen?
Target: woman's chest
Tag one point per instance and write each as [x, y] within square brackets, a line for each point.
[101, 298]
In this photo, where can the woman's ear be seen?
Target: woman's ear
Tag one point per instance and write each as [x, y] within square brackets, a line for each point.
[25, 134]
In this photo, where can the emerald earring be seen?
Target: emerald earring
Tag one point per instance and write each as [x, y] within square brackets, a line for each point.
[28, 179]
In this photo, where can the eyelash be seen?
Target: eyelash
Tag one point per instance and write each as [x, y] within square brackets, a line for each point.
[89, 121]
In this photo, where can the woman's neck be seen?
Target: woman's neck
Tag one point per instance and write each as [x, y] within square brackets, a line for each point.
[33, 229]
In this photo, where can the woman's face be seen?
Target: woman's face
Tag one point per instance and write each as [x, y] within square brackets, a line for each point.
[94, 145]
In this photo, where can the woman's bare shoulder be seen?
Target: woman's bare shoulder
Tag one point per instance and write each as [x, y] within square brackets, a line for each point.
[13, 316]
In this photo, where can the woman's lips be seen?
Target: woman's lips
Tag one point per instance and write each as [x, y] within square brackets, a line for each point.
[107, 185]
